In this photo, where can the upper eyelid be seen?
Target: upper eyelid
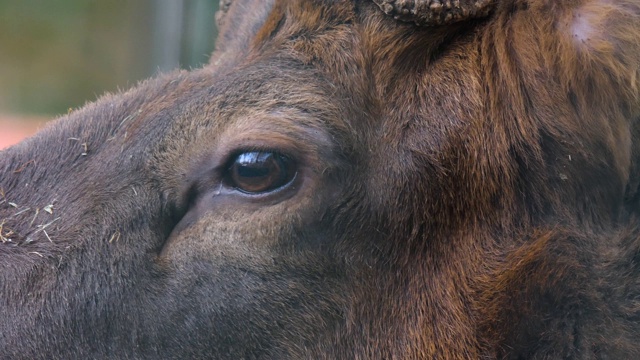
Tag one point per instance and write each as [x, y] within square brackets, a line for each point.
[228, 159]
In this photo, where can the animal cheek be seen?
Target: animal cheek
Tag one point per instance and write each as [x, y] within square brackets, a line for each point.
[222, 222]
[222, 235]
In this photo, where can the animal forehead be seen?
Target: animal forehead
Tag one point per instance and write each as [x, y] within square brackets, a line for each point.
[273, 85]
[292, 20]
[267, 103]
[310, 13]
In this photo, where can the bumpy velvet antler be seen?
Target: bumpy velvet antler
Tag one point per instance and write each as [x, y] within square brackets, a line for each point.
[435, 12]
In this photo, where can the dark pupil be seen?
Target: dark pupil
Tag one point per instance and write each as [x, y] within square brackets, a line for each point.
[255, 164]
[257, 171]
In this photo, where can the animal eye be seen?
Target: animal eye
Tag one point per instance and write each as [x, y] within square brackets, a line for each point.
[258, 172]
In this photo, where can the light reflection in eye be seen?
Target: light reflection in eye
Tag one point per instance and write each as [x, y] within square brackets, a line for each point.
[257, 172]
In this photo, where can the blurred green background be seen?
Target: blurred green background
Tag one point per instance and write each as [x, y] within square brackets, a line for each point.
[59, 54]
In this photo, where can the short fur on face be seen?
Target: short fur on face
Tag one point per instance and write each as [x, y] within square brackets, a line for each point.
[462, 191]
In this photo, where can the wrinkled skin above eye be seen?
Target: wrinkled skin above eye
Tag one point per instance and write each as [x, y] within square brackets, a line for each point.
[259, 172]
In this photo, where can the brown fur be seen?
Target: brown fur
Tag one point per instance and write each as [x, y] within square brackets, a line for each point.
[465, 191]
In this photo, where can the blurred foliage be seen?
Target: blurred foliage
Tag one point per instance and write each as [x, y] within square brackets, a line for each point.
[59, 54]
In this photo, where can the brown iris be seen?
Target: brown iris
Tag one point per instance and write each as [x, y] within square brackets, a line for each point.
[258, 172]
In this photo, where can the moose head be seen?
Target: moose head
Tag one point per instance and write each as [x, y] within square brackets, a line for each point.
[345, 180]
